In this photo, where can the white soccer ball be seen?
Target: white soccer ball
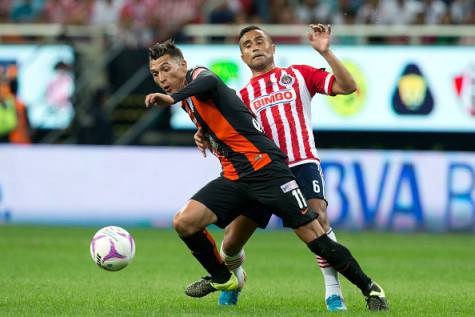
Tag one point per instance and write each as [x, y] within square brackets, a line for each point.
[112, 248]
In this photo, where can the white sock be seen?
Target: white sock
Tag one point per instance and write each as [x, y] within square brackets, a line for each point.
[234, 263]
[330, 275]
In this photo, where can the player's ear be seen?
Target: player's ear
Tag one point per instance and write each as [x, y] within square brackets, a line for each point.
[273, 48]
[183, 64]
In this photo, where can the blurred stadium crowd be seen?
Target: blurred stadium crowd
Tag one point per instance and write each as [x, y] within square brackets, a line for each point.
[104, 86]
[141, 22]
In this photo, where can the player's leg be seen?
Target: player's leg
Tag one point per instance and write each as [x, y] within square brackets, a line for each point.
[236, 235]
[281, 193]
[190, 224]
[311, 182]
[343, 261]
[333, 295]
[194, 217]
[240, 230]
[215, 203]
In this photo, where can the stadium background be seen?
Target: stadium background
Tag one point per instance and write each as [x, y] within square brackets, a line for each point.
[78, 149]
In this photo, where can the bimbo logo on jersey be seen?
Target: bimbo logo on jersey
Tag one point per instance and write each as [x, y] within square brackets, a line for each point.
[281, 96]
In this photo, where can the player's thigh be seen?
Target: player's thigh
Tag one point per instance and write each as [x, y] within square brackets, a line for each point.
[279, 191]
[237, 233]
[224, 198]
[194, 216]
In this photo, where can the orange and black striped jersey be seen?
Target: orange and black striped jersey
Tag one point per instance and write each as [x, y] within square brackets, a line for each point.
[235, 135]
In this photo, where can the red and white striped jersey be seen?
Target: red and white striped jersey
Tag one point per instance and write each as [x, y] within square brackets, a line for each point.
[281, 101]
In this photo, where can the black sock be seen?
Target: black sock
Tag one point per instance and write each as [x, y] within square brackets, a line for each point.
[341, 260]
[204, 249]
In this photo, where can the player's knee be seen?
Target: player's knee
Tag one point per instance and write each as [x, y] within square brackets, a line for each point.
[309, 231]
[320, 207]
[183, 226]
[323, 220]
[178, 224]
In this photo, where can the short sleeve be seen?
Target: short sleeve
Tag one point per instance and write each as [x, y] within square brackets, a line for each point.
[244, 96]
[317, 79]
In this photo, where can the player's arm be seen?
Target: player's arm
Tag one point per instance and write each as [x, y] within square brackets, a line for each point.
[201, 141]
[203, 81]
[319, 38]
[158, 99]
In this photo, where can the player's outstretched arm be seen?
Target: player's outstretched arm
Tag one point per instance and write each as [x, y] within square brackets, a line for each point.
[319, 38]
[158, 99]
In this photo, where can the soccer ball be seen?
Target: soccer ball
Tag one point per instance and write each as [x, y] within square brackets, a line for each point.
[112, 248]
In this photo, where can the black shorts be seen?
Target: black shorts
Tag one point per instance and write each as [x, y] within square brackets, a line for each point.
[310, 179]
[272, 189]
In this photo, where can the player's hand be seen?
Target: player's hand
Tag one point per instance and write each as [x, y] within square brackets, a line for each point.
[158, 99]
[319, 37]
[201, 141]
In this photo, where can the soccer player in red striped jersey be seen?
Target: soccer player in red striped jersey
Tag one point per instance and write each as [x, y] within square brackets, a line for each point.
[255, 180]
[280, 98]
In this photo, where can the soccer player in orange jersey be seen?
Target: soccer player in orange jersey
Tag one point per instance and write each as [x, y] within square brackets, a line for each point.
[255, 179]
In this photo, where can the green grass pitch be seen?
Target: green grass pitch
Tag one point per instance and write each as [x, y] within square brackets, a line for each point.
[48, 272]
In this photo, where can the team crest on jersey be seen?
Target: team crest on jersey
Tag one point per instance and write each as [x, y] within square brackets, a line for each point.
[286, 80]
[275, 98]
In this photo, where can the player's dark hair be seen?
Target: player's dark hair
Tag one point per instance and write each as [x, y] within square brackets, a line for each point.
[164, 48]
[249, 29]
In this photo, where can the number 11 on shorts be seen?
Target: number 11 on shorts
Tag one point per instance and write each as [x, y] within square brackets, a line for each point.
[299, 197]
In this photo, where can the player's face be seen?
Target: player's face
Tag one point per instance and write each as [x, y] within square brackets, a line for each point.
[257, 50]
[168, 72]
